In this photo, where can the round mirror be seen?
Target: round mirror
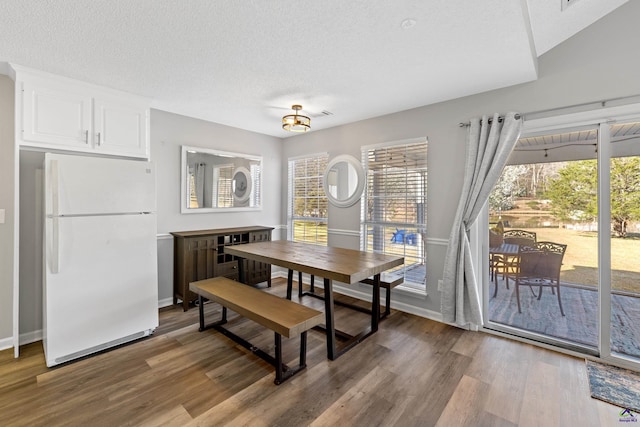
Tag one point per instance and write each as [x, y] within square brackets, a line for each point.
[343, 181]
[241, 184]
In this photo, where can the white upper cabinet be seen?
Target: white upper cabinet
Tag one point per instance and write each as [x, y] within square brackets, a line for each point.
[62, 114]
[120, 126]
[55, 116]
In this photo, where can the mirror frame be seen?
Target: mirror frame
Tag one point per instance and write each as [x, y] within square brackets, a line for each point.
[357, 194]
[183, 180]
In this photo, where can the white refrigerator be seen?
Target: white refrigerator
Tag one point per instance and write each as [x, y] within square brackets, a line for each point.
[100, 254]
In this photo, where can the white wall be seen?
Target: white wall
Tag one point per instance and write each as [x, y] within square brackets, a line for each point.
[7, 170]
[597, 64]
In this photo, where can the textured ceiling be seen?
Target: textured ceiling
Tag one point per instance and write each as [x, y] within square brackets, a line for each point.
[243, 63]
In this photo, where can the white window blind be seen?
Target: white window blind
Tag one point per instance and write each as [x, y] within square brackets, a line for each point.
[256, 190]
[394, 206]
[307, 207]
[223, 195]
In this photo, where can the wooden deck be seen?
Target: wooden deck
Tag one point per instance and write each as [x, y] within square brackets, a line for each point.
[580, 323]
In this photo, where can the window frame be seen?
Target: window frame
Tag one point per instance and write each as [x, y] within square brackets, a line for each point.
[420, 227]
[291, 218]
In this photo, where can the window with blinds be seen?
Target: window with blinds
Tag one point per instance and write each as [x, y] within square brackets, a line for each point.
[307, 203]
[223, 194]
[256, 190]
[394, 206]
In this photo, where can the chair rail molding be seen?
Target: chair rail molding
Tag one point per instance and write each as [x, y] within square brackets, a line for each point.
[343, 232]
[437, 241]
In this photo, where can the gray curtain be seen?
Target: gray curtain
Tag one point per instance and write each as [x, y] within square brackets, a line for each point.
[489, 144]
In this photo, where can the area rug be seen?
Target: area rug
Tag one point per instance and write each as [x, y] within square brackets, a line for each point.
[618, 386]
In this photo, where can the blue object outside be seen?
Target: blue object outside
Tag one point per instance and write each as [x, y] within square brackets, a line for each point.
[400, 236]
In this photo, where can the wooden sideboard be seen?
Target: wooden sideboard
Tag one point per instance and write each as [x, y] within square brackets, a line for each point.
[200, 254]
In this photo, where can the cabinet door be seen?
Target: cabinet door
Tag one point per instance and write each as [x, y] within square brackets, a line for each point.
[121, 127]
[54, 115]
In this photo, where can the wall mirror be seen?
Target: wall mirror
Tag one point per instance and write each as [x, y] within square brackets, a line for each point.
[214, 181]
[343, 180]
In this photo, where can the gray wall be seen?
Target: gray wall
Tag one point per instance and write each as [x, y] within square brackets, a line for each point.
[7, 170]
[168, 133]
[31, 229]
[598, 63]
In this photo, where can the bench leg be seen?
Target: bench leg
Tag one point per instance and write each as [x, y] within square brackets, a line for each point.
[201, 312]
[283, 372]
[204, 327]
[278, 350]
[303, 349]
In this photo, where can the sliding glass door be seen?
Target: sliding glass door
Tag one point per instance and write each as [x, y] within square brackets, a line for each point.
[547, 198]
[624, 190]
[576, 190]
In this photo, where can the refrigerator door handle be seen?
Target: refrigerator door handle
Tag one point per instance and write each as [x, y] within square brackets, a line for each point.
[55, 246]
[55, 235]
[55, 188]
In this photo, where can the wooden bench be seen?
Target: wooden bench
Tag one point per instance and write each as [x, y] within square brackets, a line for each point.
[282, 316]
[386, 282]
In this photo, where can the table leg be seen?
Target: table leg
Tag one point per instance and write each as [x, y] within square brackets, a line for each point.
[241, 272]
[289, 284]
[375, 303]
[329, 321]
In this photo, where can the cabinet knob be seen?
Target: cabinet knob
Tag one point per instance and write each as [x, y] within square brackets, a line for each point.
[99, 139]
[86, 136]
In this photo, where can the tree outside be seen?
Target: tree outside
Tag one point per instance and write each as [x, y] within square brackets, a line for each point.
[559, 202]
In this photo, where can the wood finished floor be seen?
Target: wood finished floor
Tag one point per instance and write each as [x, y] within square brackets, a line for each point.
[413, 372]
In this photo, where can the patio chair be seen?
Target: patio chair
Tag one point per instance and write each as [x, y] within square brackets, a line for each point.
[539, 266]
[506, 264]
[519, 237]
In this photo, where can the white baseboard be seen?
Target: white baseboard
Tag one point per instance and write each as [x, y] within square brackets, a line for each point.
[6, 343]
[30, 337]
[366, 296]
[27, 338]
[165, 302]
[396, 305]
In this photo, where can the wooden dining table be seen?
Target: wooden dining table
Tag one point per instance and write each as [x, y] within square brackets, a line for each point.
[347, 266]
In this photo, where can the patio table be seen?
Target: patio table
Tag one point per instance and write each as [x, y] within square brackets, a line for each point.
[507, 252]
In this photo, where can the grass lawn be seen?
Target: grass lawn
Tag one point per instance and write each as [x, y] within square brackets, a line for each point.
[580, 264]
[307, 231]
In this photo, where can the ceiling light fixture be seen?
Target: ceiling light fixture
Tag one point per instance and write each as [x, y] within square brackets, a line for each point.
[296, 122]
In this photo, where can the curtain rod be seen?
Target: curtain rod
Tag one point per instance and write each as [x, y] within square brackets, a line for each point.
[517, 116]
[602, 103]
